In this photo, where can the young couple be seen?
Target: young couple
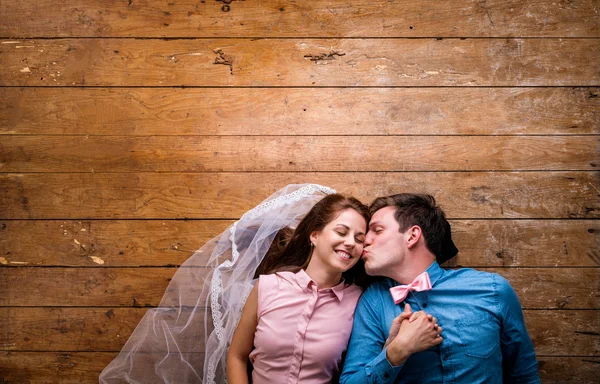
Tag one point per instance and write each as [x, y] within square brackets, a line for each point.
[307, 319]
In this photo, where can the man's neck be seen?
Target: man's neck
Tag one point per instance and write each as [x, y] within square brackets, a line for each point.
[408, 271]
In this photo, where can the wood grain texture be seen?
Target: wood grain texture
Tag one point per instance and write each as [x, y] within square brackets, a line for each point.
[314, 18]
[164, 243]
[291, 111]
[53, 367]
[538, 288]
[300, 62]
[571, 332]
[297, 153]
[84, 367]
[568, 370]
[549, 195]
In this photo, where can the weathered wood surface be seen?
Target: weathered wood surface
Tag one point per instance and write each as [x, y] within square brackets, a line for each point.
[53, 367]
[317, 18]
[542, 288]
[300, 62]
[568, 370]
[297, 153]
[281, 111]
[163, 243]
[571, 332]
[228, 195]
[84, 367]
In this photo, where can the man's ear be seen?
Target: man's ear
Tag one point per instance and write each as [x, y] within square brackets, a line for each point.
[414, 235]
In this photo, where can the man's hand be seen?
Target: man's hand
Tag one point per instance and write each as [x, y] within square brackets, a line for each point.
[407, 314]
[419, 333]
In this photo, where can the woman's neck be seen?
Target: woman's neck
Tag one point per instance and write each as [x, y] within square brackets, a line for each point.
[323, 278]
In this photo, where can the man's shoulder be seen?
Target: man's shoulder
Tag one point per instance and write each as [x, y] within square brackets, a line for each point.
[476, 278]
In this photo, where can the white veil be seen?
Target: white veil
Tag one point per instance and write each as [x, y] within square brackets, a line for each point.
[185, 339]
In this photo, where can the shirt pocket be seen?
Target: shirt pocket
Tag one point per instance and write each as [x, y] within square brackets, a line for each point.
[479, 335]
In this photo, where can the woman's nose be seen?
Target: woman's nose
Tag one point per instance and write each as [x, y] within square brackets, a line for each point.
[350, 241]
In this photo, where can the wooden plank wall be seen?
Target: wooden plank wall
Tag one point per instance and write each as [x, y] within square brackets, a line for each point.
[135, 130]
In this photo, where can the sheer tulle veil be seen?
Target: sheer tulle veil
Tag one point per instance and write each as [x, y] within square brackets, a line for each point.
[185, 339]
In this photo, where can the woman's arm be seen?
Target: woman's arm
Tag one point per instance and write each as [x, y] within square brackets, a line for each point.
[242, 341]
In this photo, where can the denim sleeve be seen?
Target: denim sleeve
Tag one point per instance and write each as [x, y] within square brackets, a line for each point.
[366, 360]
[519, 364]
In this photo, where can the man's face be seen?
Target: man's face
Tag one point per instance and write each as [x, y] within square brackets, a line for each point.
[384, 246]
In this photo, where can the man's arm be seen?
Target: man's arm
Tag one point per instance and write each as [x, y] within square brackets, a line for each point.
[519, 364]
[366, 361]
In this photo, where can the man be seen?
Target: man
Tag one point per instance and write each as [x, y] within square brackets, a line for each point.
[484, 339]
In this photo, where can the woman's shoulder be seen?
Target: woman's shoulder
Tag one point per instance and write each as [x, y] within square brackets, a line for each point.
[277, 279]
[269, 280]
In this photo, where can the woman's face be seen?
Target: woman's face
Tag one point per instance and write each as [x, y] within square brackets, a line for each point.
[339, 245]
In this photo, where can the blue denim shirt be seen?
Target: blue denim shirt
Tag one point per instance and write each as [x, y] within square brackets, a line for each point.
[485, 339]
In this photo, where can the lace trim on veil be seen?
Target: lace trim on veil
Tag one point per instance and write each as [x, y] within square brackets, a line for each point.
[216, 287]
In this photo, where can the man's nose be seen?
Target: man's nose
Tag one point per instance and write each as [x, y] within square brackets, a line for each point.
[368, 239]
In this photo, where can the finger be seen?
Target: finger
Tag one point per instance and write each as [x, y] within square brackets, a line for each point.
[434, 320]
[415, 316]
[407, 308]
[429, 317]
[439, 330]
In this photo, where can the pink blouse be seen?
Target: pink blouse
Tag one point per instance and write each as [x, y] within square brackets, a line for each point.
[302, 330]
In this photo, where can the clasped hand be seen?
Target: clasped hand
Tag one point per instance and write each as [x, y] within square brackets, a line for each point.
[411, 333]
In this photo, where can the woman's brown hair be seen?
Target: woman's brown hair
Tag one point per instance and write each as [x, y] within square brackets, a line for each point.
[291, 249]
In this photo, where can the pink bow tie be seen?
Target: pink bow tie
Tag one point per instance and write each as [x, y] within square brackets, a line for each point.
[420, 283]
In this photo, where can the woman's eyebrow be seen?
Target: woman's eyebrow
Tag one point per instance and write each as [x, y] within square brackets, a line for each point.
[348, 228]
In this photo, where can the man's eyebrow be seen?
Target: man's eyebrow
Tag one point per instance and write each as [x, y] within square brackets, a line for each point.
[373, 223]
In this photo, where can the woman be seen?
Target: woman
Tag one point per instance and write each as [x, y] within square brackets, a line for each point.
[186, 339]
[299, 319]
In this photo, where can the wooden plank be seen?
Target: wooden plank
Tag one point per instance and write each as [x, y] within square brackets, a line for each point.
[68, 329]
[542, 288]
[228, 195]
[53, 367]
[107, 329]
[76, 329]
[164, 243]
[85, 367]
[580, 329]
[297, 153]
[281, 111]
[315, 18]
[568, 370]
[548, 243]
[85, 286]
[110, 243]
[300, 62]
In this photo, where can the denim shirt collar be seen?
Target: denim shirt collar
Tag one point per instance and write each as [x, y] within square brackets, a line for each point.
[435, 272]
